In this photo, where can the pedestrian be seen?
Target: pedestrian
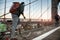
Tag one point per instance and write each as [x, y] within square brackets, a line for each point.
[56, 20]
[15, 12]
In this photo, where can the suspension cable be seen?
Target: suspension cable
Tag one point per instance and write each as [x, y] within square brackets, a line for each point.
[29, 8]
[4, 10]
[25, 5]
[47, 9]
[44, 12]
[41, 8]
[36, 9]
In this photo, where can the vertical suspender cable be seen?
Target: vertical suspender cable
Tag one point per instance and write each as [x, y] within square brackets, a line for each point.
[47, 9]
[41, 9]
[4, 10]
[29, 8]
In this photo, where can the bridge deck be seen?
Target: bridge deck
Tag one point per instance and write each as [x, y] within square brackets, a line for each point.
[54, 36]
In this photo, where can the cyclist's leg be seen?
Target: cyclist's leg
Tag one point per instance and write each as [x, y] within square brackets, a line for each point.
[14, 25]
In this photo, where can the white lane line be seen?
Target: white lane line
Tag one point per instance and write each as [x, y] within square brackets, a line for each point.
[46, 34]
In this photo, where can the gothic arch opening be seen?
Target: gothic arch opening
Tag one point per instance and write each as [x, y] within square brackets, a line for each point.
[59, 9]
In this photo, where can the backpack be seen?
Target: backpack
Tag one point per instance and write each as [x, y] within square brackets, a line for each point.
[14, 7]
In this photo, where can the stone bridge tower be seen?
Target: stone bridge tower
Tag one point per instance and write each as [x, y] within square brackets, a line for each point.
[54, 9]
